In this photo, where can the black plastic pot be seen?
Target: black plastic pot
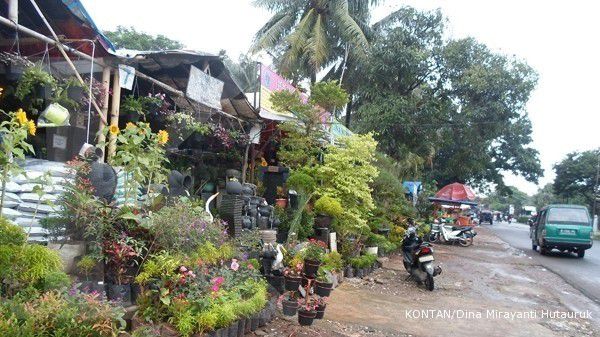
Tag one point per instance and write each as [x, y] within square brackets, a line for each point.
[267, 264]
[321, 311]
[121, 293]
[292, 283]
[281, 236]
[322, 234]
[348, 271]
[311, 268]
[254, 322]
[223, 332]
[306, 281]
[247, 325]
[241, 330]
[262, 318]
[323, 289]
[75, 93]
[136, 290]
[358, 272]
[277, 282]
[323, 221]
[233, 330]
[290, 308]
[89, 287]
[43, 92]
[306, 317]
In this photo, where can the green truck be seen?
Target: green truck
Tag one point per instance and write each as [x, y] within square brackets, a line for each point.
[567, 228]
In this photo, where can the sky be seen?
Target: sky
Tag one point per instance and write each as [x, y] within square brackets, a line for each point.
[559, 39]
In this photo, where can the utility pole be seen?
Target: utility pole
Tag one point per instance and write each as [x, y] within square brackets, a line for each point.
[595, 195]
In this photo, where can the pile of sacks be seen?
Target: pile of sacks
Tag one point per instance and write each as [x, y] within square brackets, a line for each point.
[21, 200]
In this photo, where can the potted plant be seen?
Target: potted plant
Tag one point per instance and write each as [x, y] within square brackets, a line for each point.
[324, 283]
[293, 274]
[120, 255]
[308, 312]
[372, 243]
[35, 82]
[290, 304]
[85, 266]
[313, 255]
[282, 199]
[326, 209]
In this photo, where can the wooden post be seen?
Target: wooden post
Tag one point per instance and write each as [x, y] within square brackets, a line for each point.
[105, 102]
[114, 114]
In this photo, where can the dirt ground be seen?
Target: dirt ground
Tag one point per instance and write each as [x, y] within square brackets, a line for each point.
[490, 288]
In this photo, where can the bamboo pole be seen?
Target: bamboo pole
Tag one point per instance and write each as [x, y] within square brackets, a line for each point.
[114, 114]
[105, 102]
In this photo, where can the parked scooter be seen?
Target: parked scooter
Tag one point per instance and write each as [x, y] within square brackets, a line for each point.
[418, 259]
[447, 233]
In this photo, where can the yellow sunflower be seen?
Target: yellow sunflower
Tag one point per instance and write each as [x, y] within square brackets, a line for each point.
[130, 125]
[31, 127]
[113, 129]
[21, 116]
[163, 137]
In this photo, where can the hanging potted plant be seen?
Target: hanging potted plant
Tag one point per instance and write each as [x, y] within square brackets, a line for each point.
[120, 255]
[308, 312]
[327, 208]
[133, 108]
[293, 274]
[37, 85]
[290, 304]
[324, 283]
[313, 255]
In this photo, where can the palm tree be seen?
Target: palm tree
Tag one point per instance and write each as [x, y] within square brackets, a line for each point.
[307, 35]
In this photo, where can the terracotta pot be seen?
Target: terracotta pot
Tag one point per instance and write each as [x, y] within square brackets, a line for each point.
[281, 202]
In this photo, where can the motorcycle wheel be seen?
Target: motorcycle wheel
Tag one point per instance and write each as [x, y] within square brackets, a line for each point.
[466, 241]
[434, 237]
[429, 282]
[406, 266]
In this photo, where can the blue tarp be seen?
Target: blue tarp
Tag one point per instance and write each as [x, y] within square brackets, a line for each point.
[76, 7]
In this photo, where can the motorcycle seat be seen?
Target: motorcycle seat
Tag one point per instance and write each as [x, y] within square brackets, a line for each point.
[454, 228]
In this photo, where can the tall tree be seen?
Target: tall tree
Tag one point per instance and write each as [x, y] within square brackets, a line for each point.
[545, 196]
[576, 177]
[455, 104]
[130, 38]
[306, 35]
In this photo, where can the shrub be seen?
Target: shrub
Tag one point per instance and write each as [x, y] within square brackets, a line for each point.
[301, 182]
[388, 247]
[364, 261]
[328, 206]
[523, 219]
[55, 281]
[374, 240]
[314, 251]
[58, 314]
[332, 262]
[11, 234]
[397, 234]
[86, 265]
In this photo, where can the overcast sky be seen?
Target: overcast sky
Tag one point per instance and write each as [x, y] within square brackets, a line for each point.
[559, 39]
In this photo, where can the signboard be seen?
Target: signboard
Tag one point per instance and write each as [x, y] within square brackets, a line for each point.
[204, 88]
[271, 82]
[126, 76]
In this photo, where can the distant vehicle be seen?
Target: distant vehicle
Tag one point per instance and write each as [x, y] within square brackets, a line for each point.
[567, 228]
[487, 217]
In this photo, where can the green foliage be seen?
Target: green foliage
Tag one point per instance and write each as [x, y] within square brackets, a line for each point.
[314, 251]
[160, 266]
[328, 206]
[57, 280]
[32, 77]
[388, 247]
[458, 109]
[363, 261]
[502, 198]
[27, 265]
[11, 234]
[397, 234]
[56, 314]
[301, 182]
[130, 38]
[545, 196]
[328, 95]
[374, 240]
[346, 174]
[210, 254]
[86, 265]
[306, 36]
[576, 177]
[332, 262]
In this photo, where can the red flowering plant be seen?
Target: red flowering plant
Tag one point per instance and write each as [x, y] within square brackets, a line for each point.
[122, 254]
[314, 251]
[293, 267]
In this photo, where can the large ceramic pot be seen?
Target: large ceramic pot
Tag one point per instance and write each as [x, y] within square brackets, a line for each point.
[281, 202]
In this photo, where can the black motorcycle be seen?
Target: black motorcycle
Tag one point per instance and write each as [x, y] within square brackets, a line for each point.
[418, 259]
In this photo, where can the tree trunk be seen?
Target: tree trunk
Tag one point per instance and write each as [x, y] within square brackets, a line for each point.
[349, 111]
[313, 77]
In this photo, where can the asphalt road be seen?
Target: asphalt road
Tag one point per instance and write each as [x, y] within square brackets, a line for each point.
[582, 274]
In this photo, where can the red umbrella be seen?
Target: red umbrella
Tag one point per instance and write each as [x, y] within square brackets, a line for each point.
[455, 192]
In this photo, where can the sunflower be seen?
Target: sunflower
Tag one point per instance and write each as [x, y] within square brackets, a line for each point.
[114, 130]
[21, 116]
[163, 137]
[129, 125]
[31, 127]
